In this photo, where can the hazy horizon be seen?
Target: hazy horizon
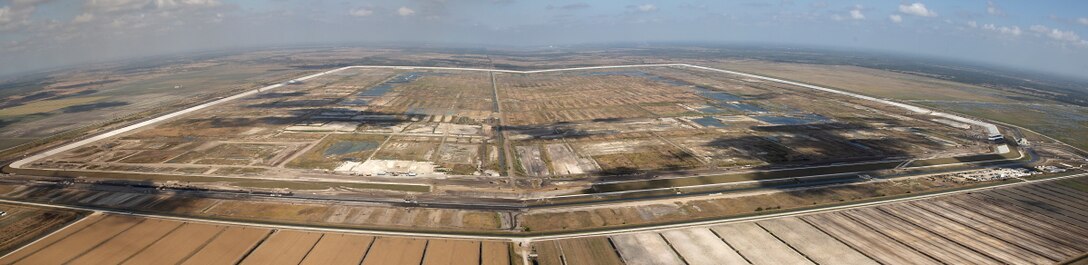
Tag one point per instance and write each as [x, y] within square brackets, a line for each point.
[1039, 37]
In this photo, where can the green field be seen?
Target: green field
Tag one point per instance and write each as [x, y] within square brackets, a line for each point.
[1068, 124]
[46, 106]
[337, 148]
[1061, 121]
[727, 178]
[151, 179]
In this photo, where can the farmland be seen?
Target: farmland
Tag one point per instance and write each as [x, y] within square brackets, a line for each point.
[89, 98]
[1031, 224]
[21, 224]
[438, 126]
[113, 239]
[1038, 223]
[386, 140]
[622, 164]
[347, 215]
[1062, 121]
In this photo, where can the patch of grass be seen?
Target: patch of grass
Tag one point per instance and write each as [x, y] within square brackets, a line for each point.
[149, 179]
[407, 150]
[682, 182]
[45, 106]
[1077, 185]
[1014, 153]
[315, 158]
[311, 185]
[1059, 122]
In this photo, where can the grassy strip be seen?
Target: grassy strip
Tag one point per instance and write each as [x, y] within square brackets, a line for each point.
[146, 178]
[1073, 184]
[793, 173]
[1012, 154]
[694, 191]
[549, 233]
[311, 185]
[12, 153]
[1052, 175]
[767, 212]
[716, 179]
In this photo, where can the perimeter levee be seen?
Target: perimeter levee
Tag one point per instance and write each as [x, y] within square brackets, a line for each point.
[21, 162]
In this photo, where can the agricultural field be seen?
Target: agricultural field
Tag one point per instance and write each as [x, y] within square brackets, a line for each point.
[114, 239]
[743, 201]
[421, 148]
[21, 224]
[421, 125]
[1023, 106]
[666, 119]
[347, 215]
[1031, 224]
[1063, 122]
[387, 151]
[1037, 223]
[60, 103]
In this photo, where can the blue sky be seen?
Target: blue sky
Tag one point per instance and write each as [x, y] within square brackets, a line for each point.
[1044, 36]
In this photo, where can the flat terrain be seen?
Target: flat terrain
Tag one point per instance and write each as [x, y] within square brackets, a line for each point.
[60, 103]
[21, 224]
[420, 125]
[1021, 106]
[355, 215]
[1039, 223]
[1032, 224]
[355, 212]
[551, 152]
[114, 239]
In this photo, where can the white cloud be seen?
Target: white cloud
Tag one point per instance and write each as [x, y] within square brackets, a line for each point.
[1057, 34]
[405, 11]
[16, 15]
[5, 15]
[856, 13]
[116, 5]
[972, 24]
[574, 6]
[1014, 30]
[1083, 21]
[361, 12]
[186, 3]
[1063, 35]
[646, 8]
[150, 16]
[895, 18]
[133, 5]
[27, 2]
[917, 9]
[993, 9]
[83, 18]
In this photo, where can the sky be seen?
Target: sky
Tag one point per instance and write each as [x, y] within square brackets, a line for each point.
[1043, 36]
